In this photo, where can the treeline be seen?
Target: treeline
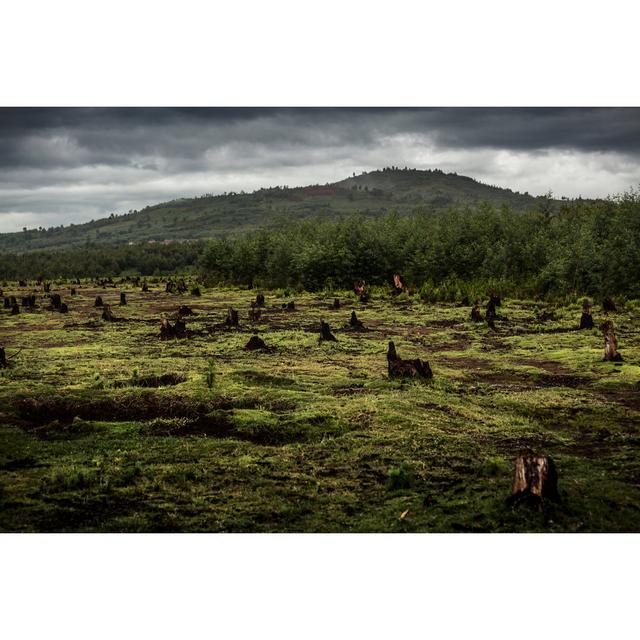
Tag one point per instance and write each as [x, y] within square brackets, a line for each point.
[590, 248]
[96, 261]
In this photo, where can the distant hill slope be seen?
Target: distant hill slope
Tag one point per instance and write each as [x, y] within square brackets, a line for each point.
[373, 193]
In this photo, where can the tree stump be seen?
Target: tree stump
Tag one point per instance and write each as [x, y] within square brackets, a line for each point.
[73, 291]
[3, 359]
[183, 310]
[608, 304]
[47, 287]
[354, 322]
[232, 317]
[398, 287]
[98, 302]
[7, 303]
[610, 343]
[260, 300]
[364, 298]
[166, 330]
[255, 343]
[182, 287]
[335, 304]
[15, 310]
[399, 368]
[25, 301]
[170, 287]
[535, 477]
[358, 287]
[56, 300]
[145, 287]
[291, 306]
[325, 332]
[254, 312]
[180, 328]
[107, 314]
[586, 319]
[196, 292]
[476, 314]
[495, 299]
[123, 299]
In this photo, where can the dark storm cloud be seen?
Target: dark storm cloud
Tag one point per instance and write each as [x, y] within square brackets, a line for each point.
[59, 165]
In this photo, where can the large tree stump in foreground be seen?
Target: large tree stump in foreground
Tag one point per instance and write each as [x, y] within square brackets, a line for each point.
[3, 359]
[610, 343]
[232, 317]
[535, 477]
[608, 304]
[255, 343]
[399, 368]
[325, 332]
[586, 319]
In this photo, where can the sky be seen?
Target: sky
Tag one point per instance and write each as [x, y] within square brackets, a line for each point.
[63, 165]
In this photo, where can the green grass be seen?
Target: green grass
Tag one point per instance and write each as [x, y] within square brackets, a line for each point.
[310, 436]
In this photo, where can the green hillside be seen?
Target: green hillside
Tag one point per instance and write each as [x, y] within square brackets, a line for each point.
[404, 190]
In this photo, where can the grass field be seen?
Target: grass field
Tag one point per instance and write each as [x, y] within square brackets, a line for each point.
[310, 436]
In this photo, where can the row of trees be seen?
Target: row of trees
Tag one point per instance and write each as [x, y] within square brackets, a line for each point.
[584, 248]
[590, 248]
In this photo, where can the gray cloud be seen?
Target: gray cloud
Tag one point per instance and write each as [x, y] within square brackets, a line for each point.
[73, 164]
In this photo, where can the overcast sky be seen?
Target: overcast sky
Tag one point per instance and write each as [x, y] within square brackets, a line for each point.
[71, 165]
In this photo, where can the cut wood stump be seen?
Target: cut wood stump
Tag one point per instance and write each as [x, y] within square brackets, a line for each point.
[535, 478]
[260, 300]
[325, 332]
[232, 317]
[255, 343]
[354, 322]
[335, 304]
[56, 301]
[610, 343]
[398, 287]
[586, 319]
[107, 314]
[196, 292]
[15, 310]
[3, 359]
[145, 287]
[64, 308]
[184, 310]
[476, 314]
[98, 302]
[254, 312]
[7, 303]
[123, 299]
[399, 368]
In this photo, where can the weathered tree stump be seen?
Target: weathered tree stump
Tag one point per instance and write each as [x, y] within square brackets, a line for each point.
[7, 303]
[232, 317]
[354, 322]
[56, 300]
[47, 287]
[260, 300]
[170, 287]
[399, 368]
[398, 287]
[325, 332]
[254, 312]
[181, 286]
[98, 302]
[73, 291]
[183, 310]
[25, 301]
[145, 287]
[166, 330]
[255, 343]
[586, 319]
[3, 359]
[608, 304]
[610, 343]
[107, 314]
[15, 310]
[495, 299]
[476, 314]
[180, 328]
[64, 308]
[358, 287]
[535, 477]
[335, 304]
[196, 292]
[123, 299]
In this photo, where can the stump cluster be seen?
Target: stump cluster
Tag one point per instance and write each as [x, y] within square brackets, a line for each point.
[399, 368]
[335, 304]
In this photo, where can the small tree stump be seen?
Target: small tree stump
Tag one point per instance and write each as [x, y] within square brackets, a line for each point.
[7, 303]
[98, 302]
[180, 328]
[255, 343]
[182, 287]
[535, 477]
[64, 308]
[399, 368]
[170, 287]
[56, 301]
[325, 332]
[364, 298]
[183, 310]
[47, 287]
[107, 314]
[3, 359]
[166, 330]
[608, 304]
[610, 343]
[73, 291]
[232, 317]
[260, 300]
[354, 322]
[15, 310]
[398, 287]
[196, 292]
[254, 312]
[145, 287]
[123, 299]
[358, 287]
[335, 304]
[586, 319]
[476, 314]
[291, 306]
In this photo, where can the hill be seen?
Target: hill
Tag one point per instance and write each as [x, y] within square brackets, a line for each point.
[371, 194]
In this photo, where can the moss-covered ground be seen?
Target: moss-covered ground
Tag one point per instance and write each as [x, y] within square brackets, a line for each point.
[310, 436]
